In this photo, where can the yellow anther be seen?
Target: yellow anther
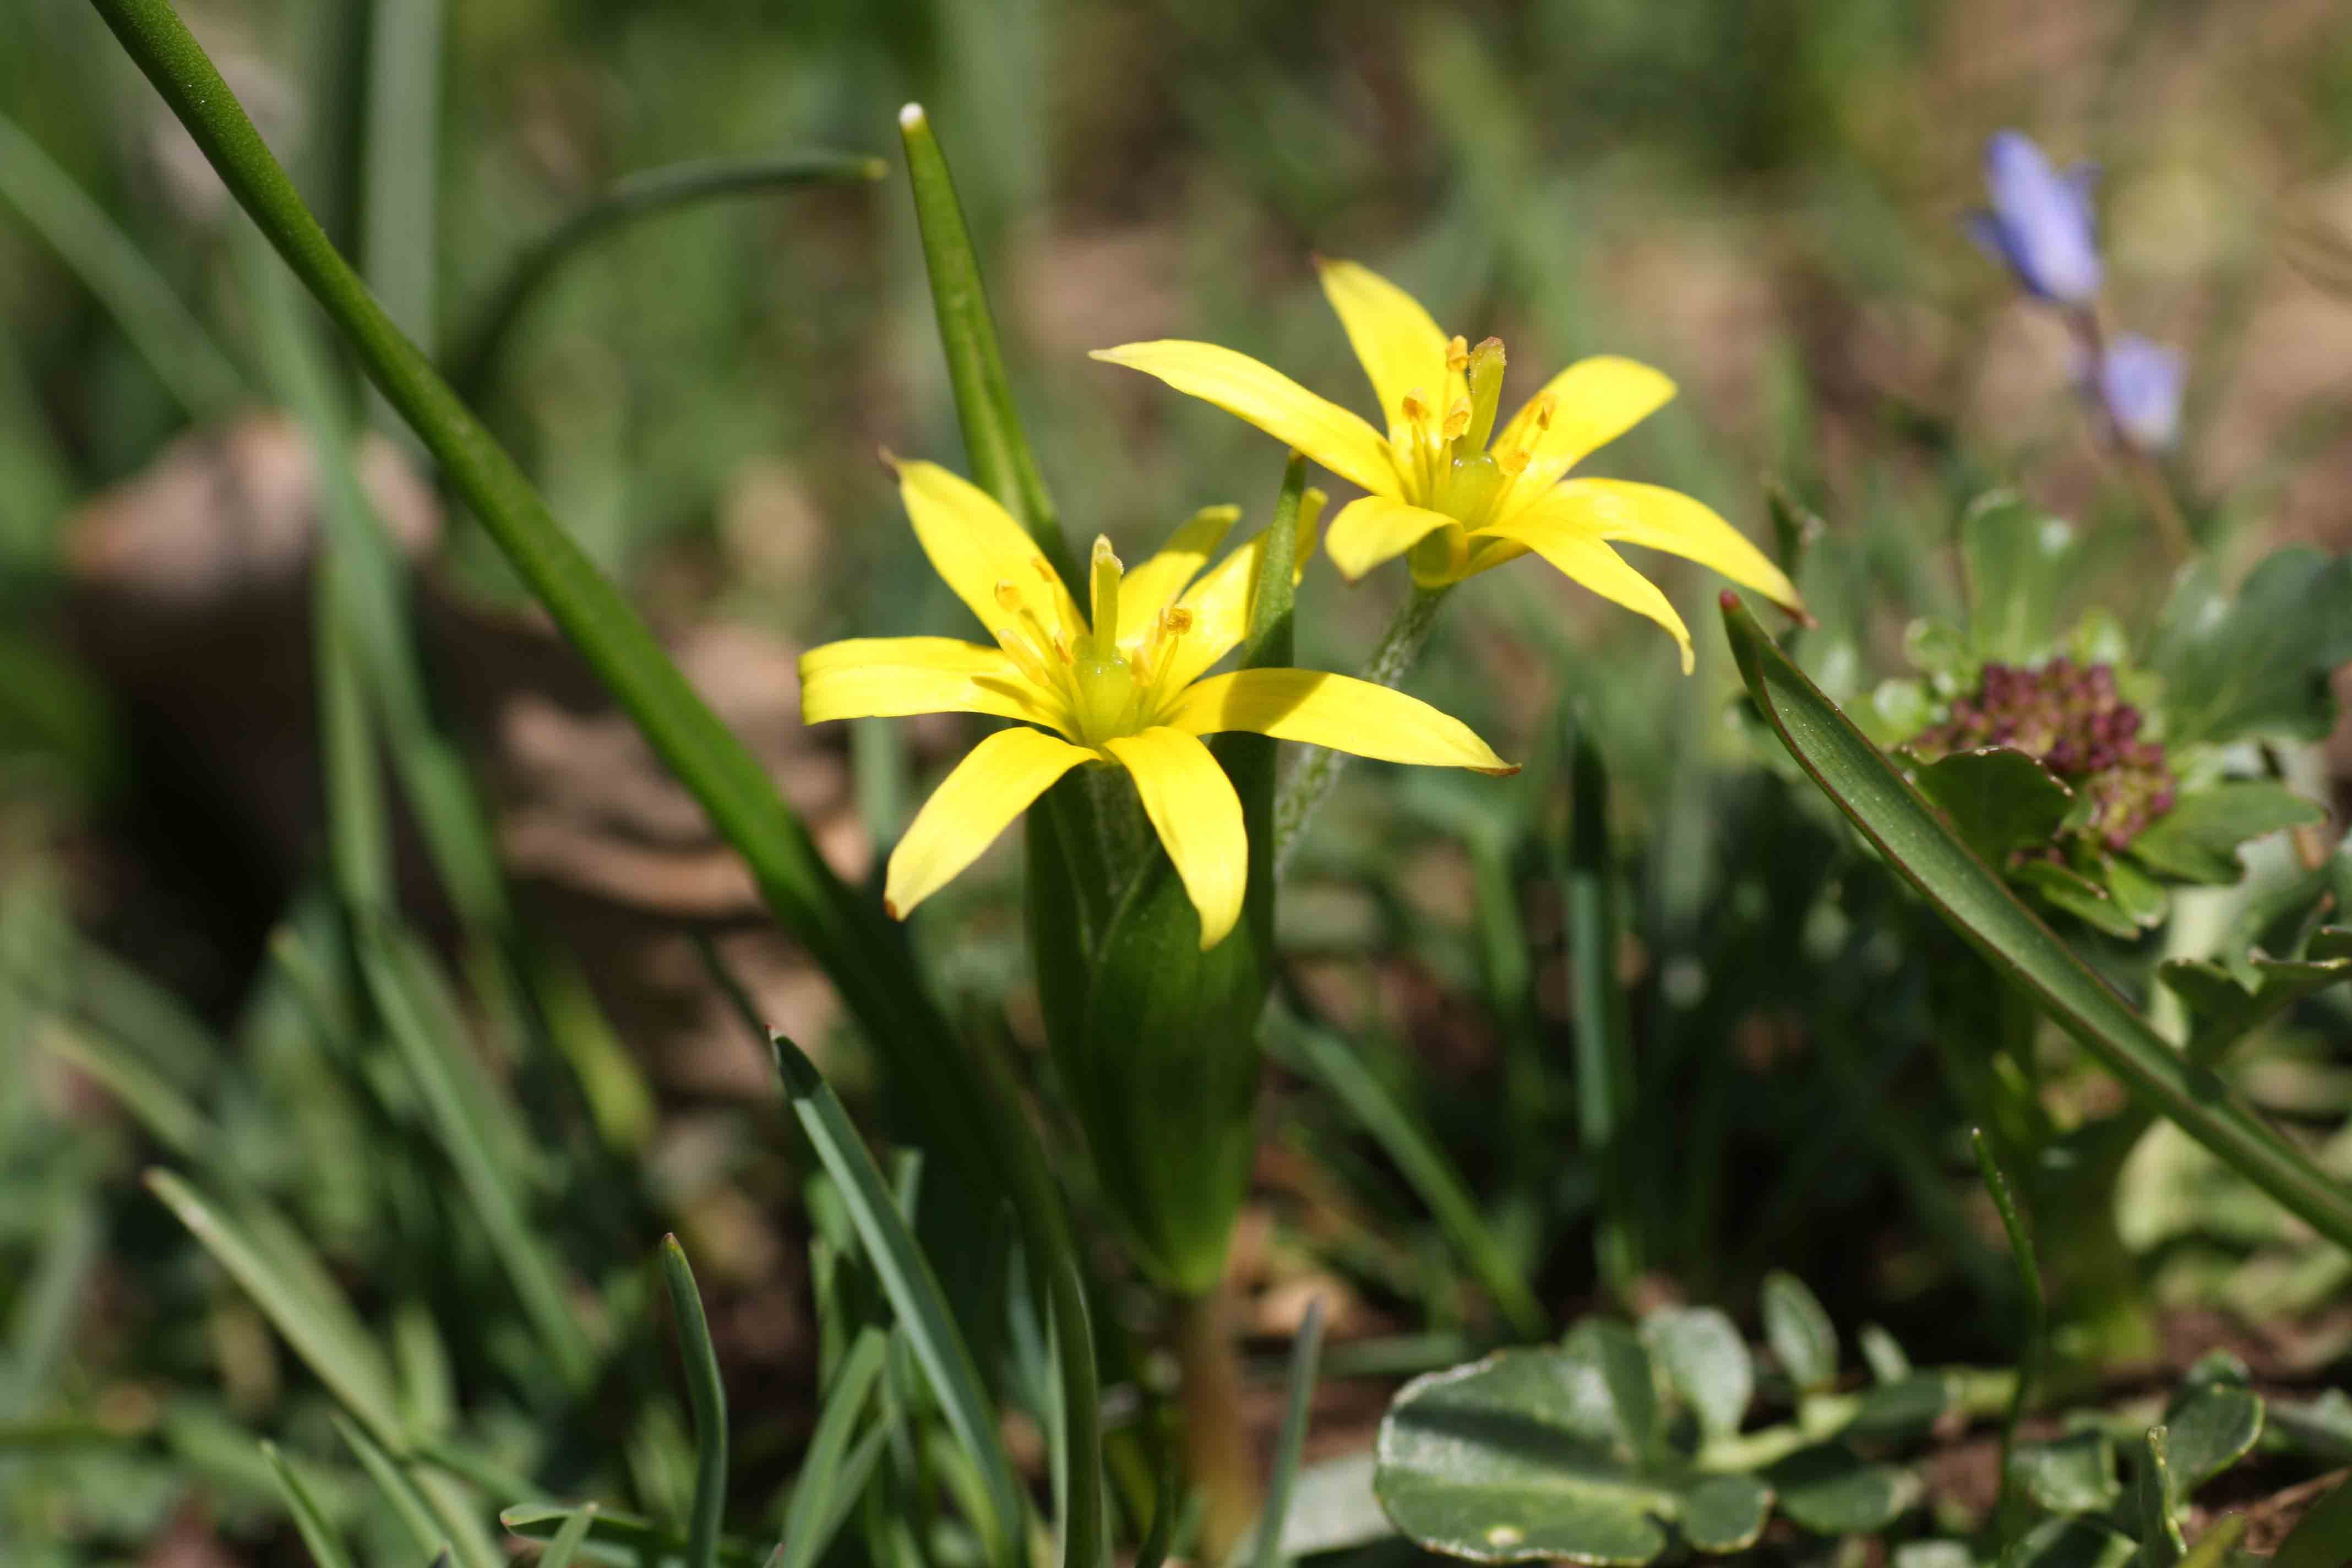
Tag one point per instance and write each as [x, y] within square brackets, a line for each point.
[1457, 352]
[1416, 410]
[1543, 413]
[1043, 567]
[1177, 620]
[1458, 418]
[1513, 460]
[1009, 596]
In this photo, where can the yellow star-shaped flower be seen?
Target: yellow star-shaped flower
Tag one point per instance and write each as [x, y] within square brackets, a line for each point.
[1445, 487]
[1123, 686]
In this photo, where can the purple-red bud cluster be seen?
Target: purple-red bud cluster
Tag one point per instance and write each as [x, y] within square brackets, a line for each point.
[2072, 719]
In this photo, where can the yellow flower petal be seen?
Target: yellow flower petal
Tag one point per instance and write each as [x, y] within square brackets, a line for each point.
[1592, 403]
[1373, 528]
[1198, 816]
[1219, 602]
[1340, 441]
[978, 801]
[1334, 711]
[1656, 518]
[1401, 349]
[1579, 553]
[879, 678]
[1152, 586]
[974, 545]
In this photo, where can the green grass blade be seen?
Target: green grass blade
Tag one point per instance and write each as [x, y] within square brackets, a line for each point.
[994, 442]
[568, 1539]
[175, 344]
[613, 1535]
[914, 1290]
[408, 1504]
[1973, 897]
[640, 195]
[171, 1119]
[448, 1083]
[1300, 1398]
[400, 162]
[1605, 1084]
[2037, 1306]
[319, 1537]
[1330, 1060]
[325, 1333]
[827, 1483]
[707, 1395]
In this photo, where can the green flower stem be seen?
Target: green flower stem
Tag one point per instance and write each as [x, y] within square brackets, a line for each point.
[1316, 770]
[1219, 1457]
[965, 1106]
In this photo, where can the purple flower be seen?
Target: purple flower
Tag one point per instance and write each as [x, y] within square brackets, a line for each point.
[2040, 222]
[2139, 382]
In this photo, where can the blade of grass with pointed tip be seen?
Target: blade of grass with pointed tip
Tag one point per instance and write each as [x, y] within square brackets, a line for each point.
[638, 196]
[408, 1504]
[1980, 905]
[175, 344]
[1330, 1060]
[820, 1499]
[447, 1083]
[1297, 1402]
[707, 1396]
[994, 442]
[319, 1537]
[327, 1335]
[907, 1279]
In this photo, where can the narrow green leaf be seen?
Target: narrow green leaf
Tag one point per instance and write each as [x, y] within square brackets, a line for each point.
[2160, 1542]
[1892, 817]
[2216, 1547]
[326, 1335]
[1296, 1401]
[179, 350]
[408, 1504]
[644, 194]
[827, 1484]
[2323, 1537]
[326, 1548]
[907, 1279]
[400, 158]
[1607, 1090]
[170, 1118]
[1332, 1062]
[2037, 1305]
[707, 1398]
[994, 442]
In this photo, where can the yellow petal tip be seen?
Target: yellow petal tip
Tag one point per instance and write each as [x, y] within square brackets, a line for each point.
[1506, 771]
[890, 908]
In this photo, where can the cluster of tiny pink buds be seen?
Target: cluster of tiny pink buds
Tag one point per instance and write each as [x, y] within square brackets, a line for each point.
[2071, 718]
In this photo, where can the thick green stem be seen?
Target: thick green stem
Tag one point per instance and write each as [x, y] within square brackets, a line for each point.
[1316, 770]
[1219, 1457]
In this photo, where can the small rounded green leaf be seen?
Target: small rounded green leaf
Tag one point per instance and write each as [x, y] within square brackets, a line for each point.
[1800, 1331]
[1612, 1349]
[1726, 1513]
[1707, 1364]
[2074, 1474]
[2209, 1429]
[1832, 1490]
[2070, 1542]
[1893, 1412]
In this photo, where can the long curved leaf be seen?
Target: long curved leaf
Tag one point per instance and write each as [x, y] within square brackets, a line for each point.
[1977, 903]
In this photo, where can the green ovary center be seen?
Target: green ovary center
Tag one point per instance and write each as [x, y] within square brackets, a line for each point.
[1105, 688]
[1441, 451]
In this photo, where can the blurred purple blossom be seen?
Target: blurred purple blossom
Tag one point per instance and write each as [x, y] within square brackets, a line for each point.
[2040, 222]
[2139, 383]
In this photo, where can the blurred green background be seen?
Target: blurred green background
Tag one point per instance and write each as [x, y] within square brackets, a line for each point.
[1764, 199]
